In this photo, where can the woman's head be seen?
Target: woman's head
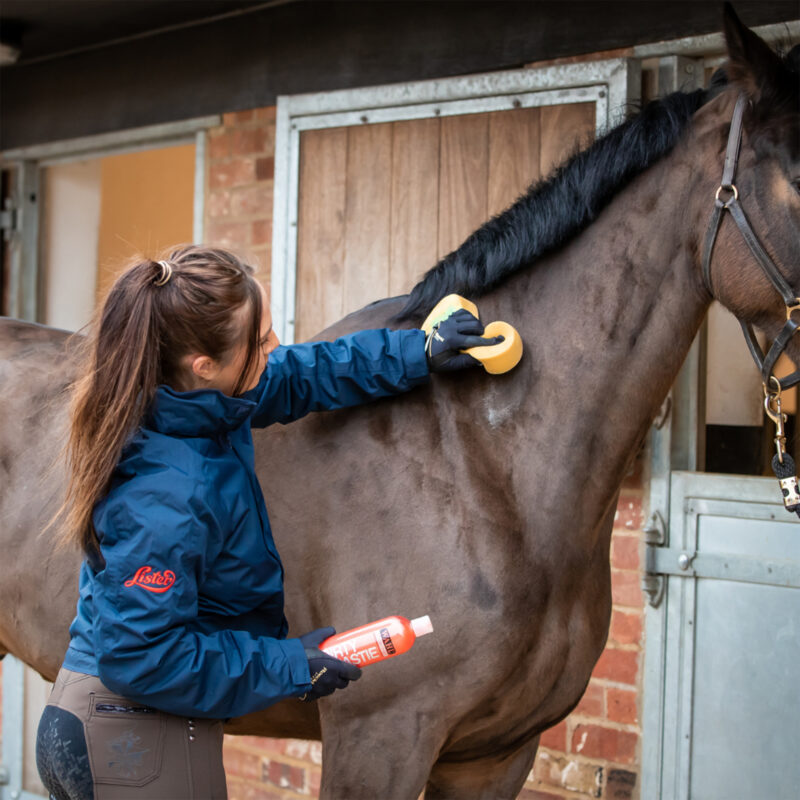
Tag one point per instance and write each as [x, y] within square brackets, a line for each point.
[189, 321]
[195, 319]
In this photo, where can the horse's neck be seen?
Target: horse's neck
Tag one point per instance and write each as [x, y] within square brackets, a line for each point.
[607, 323]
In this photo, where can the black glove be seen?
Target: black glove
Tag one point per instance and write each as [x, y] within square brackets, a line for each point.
[458, 332]
[327, 673]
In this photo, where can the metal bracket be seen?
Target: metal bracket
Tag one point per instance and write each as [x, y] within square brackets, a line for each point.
[686, 563]
[9, 220]
[5, 777]
[655, 536]
[655, 532]
[654, 586]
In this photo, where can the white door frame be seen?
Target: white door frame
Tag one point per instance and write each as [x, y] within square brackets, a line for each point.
[27, 163]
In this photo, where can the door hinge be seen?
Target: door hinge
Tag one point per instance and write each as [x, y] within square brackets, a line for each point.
[5, 777]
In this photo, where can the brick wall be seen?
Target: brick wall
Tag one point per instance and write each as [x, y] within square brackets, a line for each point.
[240, 168]
[595, 752]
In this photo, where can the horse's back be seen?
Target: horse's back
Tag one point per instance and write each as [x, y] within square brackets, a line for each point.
[20, 338]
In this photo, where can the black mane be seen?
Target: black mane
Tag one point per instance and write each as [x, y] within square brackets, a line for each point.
[559, 207]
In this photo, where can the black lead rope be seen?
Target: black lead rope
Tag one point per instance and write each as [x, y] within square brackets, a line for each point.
[782, 463]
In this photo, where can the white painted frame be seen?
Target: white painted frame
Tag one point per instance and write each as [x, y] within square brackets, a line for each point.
[610, 84]
[27, 163]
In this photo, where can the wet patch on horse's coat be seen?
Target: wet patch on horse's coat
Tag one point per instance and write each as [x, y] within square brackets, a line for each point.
[481, 592]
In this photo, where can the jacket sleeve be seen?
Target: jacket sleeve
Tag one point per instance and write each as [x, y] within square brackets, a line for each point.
[322, 376]
[146, 600]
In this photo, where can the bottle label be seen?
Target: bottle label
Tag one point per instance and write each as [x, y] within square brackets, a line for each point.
[388, 645]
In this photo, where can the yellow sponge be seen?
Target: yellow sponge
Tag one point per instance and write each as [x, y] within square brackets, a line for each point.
[496, 358]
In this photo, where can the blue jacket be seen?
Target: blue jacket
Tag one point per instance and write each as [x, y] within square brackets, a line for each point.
[187, 614]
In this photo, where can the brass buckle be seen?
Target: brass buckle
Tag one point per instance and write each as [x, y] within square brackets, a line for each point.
[776, 415]
[728, 187]
[795, 306]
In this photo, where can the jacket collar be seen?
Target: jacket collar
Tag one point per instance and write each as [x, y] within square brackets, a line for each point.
[200, 412]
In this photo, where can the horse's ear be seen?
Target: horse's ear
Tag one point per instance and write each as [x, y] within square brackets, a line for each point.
[752, 64]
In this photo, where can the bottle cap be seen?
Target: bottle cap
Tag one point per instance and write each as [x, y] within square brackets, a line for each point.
[421, 625]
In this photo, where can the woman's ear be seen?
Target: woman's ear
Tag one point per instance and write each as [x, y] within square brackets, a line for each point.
[200, 368]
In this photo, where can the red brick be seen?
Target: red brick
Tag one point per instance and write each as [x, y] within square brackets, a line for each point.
[241, 763]
[625, 551]
[261, 232]
[629, 512]
[621, 705]
[265, 168]
[297, 779]
[555, 738]
[626, 588]
[219, 143]
[594, 741]
[620, 784]
[626, 628]
[259, 258]
[219, 204]
[228, 234]
[234, 172]
[272, 772]
[591, 703]
[251, 201]
[249, 140]
[620, 666]
[266, 114]
[314, 781]
[238, 117]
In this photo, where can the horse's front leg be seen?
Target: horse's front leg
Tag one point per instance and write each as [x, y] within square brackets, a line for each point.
[386, 753]
[498, 776]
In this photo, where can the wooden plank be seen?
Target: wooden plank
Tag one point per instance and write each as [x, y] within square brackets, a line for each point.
[564, 129]
[513, 156]
[415, 202]
[320, 235]
[367, 215]
[463, 178]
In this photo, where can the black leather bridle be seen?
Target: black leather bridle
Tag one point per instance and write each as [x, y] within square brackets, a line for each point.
[764, 361]
[782, 463]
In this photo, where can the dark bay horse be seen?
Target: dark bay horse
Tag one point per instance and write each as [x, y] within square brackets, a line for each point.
[486, 502]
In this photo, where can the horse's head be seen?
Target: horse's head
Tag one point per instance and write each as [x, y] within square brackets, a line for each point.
[766, 180]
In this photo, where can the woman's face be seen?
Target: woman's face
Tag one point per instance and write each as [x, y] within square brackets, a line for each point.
[223, 375]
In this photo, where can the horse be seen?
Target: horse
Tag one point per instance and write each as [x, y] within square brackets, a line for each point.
[486, 502]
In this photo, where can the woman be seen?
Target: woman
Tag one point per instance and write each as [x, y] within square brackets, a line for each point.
[180, 620]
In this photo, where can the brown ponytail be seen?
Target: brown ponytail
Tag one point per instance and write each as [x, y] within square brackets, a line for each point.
[136, 342]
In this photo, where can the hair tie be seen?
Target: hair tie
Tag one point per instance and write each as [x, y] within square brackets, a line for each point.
[166, 273]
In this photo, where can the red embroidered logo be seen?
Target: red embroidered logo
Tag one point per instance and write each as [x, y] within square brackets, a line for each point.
[152, 581]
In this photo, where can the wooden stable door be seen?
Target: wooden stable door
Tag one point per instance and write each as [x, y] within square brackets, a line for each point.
[380, 204]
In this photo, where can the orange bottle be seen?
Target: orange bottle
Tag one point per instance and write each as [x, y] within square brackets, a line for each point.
[376, 641]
